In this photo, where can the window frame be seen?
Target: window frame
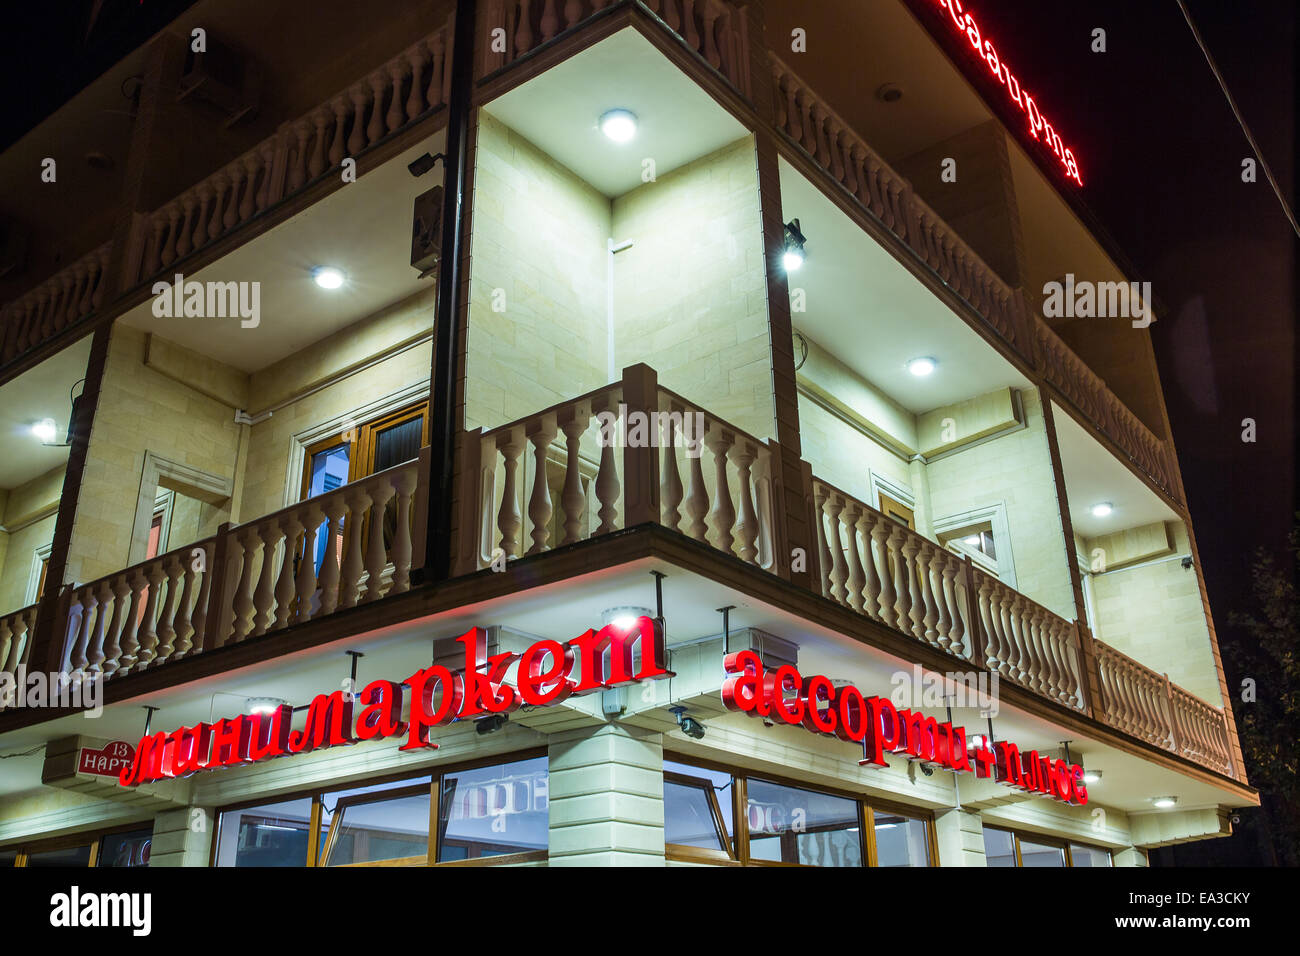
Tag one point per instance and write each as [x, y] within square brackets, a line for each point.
[318, 852]
[738, 846]
[92, 838]
[1060, 843]
[362, 443]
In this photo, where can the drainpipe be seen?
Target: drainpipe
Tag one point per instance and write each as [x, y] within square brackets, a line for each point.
[443, 414]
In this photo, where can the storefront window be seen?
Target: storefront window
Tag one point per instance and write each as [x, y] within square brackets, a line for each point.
[273, 834]
[1008, 848]
[491, 811]
[381, 827]
[901, 840]
[790, 825]
[999, 847]
[698, 808]
[1041, 854]
[126, 849]
[1090, 856]
[66, 857]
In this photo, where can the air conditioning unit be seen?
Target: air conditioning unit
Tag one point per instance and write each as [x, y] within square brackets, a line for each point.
[223, 78]
[426, 231]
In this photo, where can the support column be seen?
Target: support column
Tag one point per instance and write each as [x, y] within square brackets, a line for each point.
[182, 837]
[606, 797]
[959, 835]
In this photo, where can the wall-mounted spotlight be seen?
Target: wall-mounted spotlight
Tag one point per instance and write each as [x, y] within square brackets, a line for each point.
[486, 725]
[624, 617]
[689, 725]
[422, 164]
[794, 246]
[263, 705]
[45, 430]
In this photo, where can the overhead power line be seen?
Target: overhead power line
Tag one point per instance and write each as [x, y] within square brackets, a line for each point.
[1223, 85]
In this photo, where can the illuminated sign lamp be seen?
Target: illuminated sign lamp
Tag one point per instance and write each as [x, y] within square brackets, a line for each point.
[793, 256]
[1039, 128]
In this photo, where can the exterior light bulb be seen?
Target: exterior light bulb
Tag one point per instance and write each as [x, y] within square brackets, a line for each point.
[263, 705]
[1164, 803]
[921, 367]
[792, 259]
[1102, 508]
[618, 125]
[1092, 776]
[45, 430]
[328, 277]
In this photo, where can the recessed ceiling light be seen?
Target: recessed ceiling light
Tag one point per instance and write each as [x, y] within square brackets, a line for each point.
[889, 93]
[1102, 508]
[923, 366]
[618, 125]
[1164, 803]
[1092, 776]
[45, 429]
[327, 277]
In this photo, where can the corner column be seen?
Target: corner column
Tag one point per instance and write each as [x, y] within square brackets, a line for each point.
[606, 797]
[959, 835]
[182, 837]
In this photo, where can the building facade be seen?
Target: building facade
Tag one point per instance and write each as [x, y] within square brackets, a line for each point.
[599, 433]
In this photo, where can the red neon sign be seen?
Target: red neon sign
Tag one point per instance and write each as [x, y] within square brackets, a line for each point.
[1038, 124]
[548, 673]
[822, 708]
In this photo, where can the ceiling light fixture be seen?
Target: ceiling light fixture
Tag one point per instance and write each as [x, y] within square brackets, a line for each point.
[922, 366]
[1164, 803]
[1092, 776]
[263, 705]
[794, 254]
[625, 617]
[45, 430]
[618, 125]
[1102, 508]
[327, 277]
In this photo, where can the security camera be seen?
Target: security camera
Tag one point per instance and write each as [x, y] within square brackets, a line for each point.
[689, 725]
[1187, 562]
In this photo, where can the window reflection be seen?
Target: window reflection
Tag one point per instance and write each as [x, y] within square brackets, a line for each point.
[900, 840]
[791, 825]
[494, 810]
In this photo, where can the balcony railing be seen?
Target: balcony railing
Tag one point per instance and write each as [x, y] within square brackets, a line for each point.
[842, 154]
[304, 562]
[64, 299]
[715, 29]
[16, 631]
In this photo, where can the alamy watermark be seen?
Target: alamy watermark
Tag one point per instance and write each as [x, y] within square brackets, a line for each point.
[1083, 299]
[58, 689]
[624, 429]
[209, 300]
[919, 688]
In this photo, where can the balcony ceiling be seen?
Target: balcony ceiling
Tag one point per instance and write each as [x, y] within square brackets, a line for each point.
[37, 394]
[363, 228]
[869, 311]
[562, 611]
[1093, 474]
[677, 122]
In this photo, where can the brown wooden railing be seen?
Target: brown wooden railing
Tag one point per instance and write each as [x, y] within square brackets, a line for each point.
[251, 579]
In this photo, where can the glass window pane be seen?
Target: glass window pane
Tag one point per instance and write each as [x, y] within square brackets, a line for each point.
[69, 856]
[274, 834]
[1039, 854]
[901, 841]
[1089, 855]
[398, 443]
[329, 469]
[382, 830]
[999, 848]
[8, 857]
[791, 825]
[722, 790]
[494, 810]
[126, 849]
[688, 817]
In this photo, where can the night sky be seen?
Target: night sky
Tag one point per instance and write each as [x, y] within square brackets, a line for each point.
[1161, 155]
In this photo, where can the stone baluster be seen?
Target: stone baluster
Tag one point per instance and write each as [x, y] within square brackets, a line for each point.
[95, 649]
[839, 570]
[334, 509]
[153, 575]
[573, 422]
[205, 196]
[436, 67]
[670, 489]
[353, 562]
[356, 138]
[820, 494]
[710, 17]
[929, 597]
[173, 570]
[249, 204]
[130, 655]
[872, 541]
[396, 74]
[747, 531]
[338, 144]
[405, 484]
[550, 22]
[305, 585]
[572, 13]
[264, 595]
[950, 625]
[509, 520]
[173, 219]
[852, 517]
[524, 29]
[375, 128]
[231, 217]
[912, 607]
[415, 59]
[298, 168]
[380, 492]
[184, 241]
[723, 515]
[285, 585]
[199, 615]
[697, 495]
[121, 592]
[243, 605]
[541, 433]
